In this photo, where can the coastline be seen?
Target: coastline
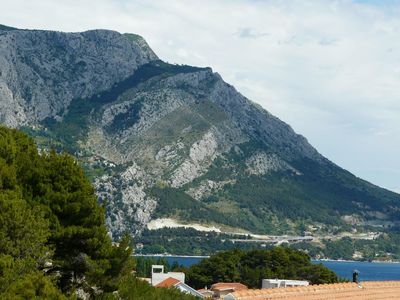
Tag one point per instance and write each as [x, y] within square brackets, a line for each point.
[313, 260]
[369, 270]
[356, 261]
[171, 255]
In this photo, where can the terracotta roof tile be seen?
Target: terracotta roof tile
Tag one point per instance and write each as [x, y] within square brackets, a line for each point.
[368, 290]
[169, 282]
[236, 286]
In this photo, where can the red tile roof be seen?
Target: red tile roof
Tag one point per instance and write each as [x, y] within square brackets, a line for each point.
[169, 282]
[236, 286]
[372, 290]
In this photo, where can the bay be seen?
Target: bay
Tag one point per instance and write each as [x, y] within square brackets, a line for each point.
[369, 271]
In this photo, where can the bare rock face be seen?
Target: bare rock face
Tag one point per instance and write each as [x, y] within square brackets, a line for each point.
[131, 207]
[171, 141]
[11, 108]
[201, 154]
[261, 163]
[206, 188]
[42, 71]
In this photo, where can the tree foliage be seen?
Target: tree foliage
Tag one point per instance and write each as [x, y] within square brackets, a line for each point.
[250, 267]
[53, 239]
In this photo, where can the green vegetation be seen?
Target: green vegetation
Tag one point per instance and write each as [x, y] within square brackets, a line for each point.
[174, 201]
[53, 239]
[188, 241]
[385, 247]
[133, 37]
[148, 114]
[250, 267]
[74, 125]
[280, 202]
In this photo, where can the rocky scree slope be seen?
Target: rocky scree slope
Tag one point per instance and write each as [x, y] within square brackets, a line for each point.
[163, 140]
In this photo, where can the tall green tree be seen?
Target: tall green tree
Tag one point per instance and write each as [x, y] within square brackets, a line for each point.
[250, 267]
[53, 238]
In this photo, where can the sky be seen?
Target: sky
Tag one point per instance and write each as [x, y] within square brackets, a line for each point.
[330, 69]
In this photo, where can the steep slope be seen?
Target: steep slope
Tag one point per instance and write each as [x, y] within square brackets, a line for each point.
[162, 140]
[42, 71]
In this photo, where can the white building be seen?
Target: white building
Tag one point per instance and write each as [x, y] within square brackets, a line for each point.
[280, 283]
[158, 275]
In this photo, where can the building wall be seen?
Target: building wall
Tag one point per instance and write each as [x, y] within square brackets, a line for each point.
[280, 283]
[156, 278]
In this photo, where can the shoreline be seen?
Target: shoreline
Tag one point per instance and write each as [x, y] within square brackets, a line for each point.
[357, 261]
[172, 255]
[313, 260]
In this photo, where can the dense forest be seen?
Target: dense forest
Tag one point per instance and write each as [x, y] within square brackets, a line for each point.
[250, 267]
[53, 239]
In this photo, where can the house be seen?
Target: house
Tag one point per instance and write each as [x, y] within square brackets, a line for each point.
[158, 275]
[175, 283]
[281, 283]
[377, 290]
[221, 289]
[207, 293]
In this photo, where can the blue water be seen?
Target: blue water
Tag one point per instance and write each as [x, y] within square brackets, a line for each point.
[368, 271]
[186, 261]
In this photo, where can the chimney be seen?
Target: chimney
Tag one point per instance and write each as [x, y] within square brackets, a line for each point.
[355, 275]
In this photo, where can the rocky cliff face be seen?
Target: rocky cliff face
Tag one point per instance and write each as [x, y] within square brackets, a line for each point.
[42, 71]
[162, 140]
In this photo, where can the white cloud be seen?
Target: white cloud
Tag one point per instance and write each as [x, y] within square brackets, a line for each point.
[331, 69]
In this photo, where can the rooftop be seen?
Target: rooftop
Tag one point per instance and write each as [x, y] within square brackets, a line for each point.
[369, 290]
[236, 286]
[169, 282]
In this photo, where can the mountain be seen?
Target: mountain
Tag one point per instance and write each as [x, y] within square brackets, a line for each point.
[172, 141]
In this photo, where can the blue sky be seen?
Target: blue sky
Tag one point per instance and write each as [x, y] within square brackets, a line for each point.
[331, 69]
[378, 2]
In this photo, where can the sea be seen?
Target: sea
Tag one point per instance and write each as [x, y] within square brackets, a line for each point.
[368, 271]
